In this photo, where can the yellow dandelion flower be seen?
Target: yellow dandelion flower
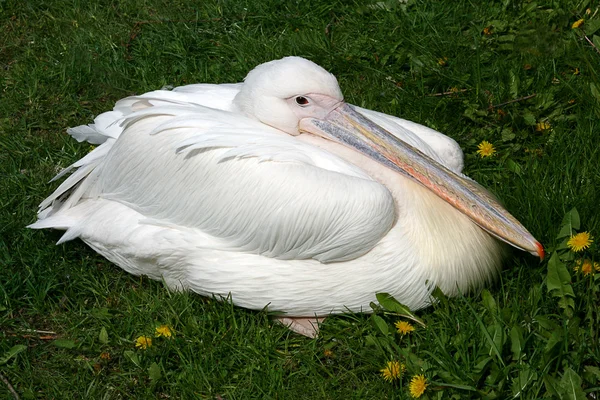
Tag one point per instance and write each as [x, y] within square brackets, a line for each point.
[486, 149]
[392, 371]
[487, 31]
[578, 23]
[143, 342]
[535, 152]
[328, 353]
[442, 61]
[579, 242]
[164, 331]
[542, 126]
[105, 355]
[404, 327]
[586, 266]
[576, 71]
[417, 386]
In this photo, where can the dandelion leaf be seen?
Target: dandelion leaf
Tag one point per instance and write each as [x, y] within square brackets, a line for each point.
[546, 323]
[551, 385]
[595, 91]
[516, 342]
[380, 324]
[13, 351]
[559, 282]
[554, 340]
[388, 302]
[591, 26]
[496, 339]
[154, 372]
[64, 343]
[570, 222]
[525, 376]
[489, 302]
[133, 357]
[514, 166]
[591, 374]
[482, 366]
[570, 386]
[441, 298]
[103, 336]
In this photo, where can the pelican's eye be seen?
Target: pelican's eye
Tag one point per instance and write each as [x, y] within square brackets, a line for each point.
[302, 101]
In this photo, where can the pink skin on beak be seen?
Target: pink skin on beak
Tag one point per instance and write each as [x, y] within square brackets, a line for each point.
[346, 126]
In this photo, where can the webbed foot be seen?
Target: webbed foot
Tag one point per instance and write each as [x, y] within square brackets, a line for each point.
[306, 326]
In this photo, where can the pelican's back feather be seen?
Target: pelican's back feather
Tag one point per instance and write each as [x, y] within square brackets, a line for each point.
[250, 186]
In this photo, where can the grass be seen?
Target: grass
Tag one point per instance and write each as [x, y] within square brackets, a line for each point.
[464, 68]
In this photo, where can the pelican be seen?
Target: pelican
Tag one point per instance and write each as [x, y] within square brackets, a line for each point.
[276, 193]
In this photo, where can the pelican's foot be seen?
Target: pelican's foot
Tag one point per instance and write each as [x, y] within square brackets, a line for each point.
[307, 326]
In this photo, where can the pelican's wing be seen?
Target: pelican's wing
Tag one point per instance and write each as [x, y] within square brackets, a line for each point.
[203, 94]
[251, 187]
[431, 142]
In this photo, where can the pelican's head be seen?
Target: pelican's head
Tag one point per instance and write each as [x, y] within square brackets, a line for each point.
[297, 96]
[282, 92]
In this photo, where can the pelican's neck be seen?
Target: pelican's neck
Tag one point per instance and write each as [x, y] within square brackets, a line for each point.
[454, 253]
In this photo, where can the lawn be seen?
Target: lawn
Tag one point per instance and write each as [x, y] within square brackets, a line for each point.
[517, 74]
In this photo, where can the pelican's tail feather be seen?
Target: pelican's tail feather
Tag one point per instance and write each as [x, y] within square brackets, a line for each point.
[103, 132]
[72, 220]
[58, 222]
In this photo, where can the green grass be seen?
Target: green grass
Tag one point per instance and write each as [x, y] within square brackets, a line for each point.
[63, 62]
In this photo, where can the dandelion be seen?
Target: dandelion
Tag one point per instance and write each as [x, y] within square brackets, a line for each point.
[105, 355]
[392, 371]
[143, 342]
[442, 61]
[576, 71]
[164, 331]
[487, 31]
[542, 126]
[535, 152]
[577, 23]
[328, 353]
[404, 327]
[586, 266]
[579, 242]
[417, 386]
[486, 149]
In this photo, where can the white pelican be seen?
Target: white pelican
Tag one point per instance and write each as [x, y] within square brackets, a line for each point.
[278, 193]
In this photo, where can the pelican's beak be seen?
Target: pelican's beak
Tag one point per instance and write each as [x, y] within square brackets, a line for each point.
[350, 128]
